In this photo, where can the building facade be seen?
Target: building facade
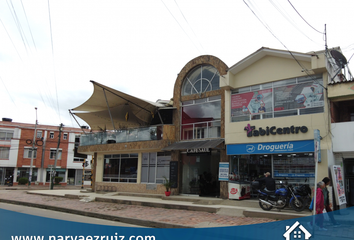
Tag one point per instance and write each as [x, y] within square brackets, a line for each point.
[16, 144]
[270, 112]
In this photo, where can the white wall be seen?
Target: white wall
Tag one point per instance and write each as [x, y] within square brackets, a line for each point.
[343, 137]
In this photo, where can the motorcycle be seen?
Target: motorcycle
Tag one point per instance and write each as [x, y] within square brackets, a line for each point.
[305, 192]
[280, 198]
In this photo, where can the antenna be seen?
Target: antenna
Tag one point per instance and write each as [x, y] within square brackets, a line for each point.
[340, 67]
[341, 61]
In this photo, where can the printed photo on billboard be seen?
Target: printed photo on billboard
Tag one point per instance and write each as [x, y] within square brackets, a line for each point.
[303, 95]
[251, 103]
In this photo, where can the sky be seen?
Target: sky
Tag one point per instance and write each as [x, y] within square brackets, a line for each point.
[51, 49]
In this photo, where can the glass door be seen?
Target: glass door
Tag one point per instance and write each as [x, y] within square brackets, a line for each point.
[2, 178]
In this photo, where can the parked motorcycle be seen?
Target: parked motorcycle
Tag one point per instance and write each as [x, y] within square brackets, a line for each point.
[280, 198]
[305, 192]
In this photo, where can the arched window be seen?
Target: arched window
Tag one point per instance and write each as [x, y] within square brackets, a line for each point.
[203, 78]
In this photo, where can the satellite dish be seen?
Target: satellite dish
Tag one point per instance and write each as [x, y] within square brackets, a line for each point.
[339, 58]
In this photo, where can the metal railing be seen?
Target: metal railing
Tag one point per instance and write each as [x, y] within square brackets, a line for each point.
[121, 136]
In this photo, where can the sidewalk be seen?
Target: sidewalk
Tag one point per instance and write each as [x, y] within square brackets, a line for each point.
[147, 210]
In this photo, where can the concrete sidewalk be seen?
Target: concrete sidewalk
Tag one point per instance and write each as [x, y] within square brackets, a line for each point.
[146, 209]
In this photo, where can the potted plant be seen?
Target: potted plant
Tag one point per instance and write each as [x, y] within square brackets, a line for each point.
[168, 186]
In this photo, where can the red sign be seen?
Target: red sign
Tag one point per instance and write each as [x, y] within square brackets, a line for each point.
[233, 190]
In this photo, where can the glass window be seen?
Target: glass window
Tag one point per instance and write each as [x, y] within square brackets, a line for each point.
[28, 153]
[6, 135]
[39, 134]
[203, 78]
[58, 173]
[24, 173]
[4, 152]
[51, 135]
[278, 99]
[155, 166]
[53, 152]
[197, 119]
[65, 136]
[121, 168]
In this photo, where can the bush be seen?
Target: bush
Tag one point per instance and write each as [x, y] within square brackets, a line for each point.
[22, 181]
[57, 180]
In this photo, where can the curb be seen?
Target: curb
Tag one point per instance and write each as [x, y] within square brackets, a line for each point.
[134, 221]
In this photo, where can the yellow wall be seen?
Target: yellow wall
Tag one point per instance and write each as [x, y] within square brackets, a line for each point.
[270, 69]
[267, 69]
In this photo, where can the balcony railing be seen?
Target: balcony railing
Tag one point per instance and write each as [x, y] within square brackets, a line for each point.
[121, 136]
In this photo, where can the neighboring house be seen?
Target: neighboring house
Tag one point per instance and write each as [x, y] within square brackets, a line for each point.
[259, 116]
[16, 153]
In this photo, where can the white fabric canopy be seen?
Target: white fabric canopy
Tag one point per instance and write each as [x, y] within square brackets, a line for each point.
[125, 110]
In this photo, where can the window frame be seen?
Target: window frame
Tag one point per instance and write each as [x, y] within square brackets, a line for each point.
[7, 138]
[270, 87]
[27, 153]
[3, 152]
[52, 154]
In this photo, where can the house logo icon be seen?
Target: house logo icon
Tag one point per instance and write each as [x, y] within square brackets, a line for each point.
[297, 230]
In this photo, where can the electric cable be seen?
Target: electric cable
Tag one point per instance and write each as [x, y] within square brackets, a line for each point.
[189, 26]
[179, 26]
[54, 72]
[288, 18]
[292, 55]
[304, 19]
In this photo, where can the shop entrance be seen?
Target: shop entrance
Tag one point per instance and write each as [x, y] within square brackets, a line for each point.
[200, 174]
[349, 180]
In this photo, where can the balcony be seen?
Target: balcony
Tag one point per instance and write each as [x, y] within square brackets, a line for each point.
[343, 136]
[123, 136]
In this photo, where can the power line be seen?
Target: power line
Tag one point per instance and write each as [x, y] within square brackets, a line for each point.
[51, 40]
[304, 19]
[179, 25]
[189, 25]
[292, 55]
[7, 91]
[288, 18]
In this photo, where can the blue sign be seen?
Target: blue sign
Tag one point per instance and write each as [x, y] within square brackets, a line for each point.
[270, 148]
[295, 175]
[223, 171]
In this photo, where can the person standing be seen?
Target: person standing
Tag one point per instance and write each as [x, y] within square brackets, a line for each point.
[319, 206]
[327, 204]
[268, 181]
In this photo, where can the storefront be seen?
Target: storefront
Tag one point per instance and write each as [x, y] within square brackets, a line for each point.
[199, 166]
[292, 162]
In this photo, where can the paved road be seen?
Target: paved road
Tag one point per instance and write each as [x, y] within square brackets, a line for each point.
[61, 216]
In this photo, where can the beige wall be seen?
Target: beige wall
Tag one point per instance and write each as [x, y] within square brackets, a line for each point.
[270, 69]
[267, 69]
[341, 92]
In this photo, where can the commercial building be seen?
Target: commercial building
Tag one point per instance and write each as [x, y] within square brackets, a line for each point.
[263, 114]
[16, 149]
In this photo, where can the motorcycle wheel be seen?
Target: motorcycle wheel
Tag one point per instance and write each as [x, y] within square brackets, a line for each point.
[264, 206]
[298, 205]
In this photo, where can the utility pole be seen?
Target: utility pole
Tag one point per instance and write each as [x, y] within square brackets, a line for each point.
[56, 157]
[33, 148]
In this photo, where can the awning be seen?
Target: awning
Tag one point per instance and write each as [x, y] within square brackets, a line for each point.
[193, 145]
[124, 109]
